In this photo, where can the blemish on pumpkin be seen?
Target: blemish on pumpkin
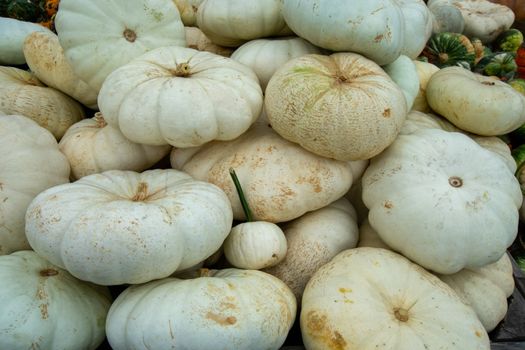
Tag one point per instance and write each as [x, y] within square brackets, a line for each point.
[43, 311]
[318, 327]
[478, 334]
[48, 272]
[345, 290]
[387, 113]
[223, 321]
[171, 330]
[388, 204]
[142, 192]
[378, 38]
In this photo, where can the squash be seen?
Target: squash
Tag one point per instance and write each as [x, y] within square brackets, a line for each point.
[265, 56]
[404, 73]
[46, 60]
[253, 245]
[424, 71]
[446, 17]
[197, 40]
[313, 240]
[476, 103]
[281, 180]
[44, 307]
[182, 97]
[381, 30]
[450, 49]
[442, 200]
[91, 146]
[343, 106]
[126, 227]
[14, 32]
[188, 11]
[31, 163]
[245, 20]
[483, 19]
[368, 298]
[247, 309]
[99, 36]
[517, 6]
[508, 41]
[22, 93]
[499, 64]
[23, 10]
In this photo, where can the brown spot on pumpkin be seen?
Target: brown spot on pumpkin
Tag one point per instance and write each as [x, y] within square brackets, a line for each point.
[378, 38]
[43, 311]
[223, 321]
[478, 334]
[387, 113]
[489, 83]
[48, 272]
[388, 205]
[318, 327]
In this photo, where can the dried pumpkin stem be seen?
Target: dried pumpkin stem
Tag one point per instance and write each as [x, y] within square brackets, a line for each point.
[99, 119]
[242, 198]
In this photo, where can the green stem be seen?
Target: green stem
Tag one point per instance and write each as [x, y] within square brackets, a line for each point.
[244, 203]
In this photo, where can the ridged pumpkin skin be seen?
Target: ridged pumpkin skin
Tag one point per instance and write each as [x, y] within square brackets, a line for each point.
[229, 309]
[31, 162]
[372, 298]
[343, 106]
[126, 227]
[44, 307]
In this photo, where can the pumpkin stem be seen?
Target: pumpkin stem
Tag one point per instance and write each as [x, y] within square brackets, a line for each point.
[142, 192]
[242, 198]
[48, 272]
[100, 120]
[182, 70]
[129, 35]
[401, 314]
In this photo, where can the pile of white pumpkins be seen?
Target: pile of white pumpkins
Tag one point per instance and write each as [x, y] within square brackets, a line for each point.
[319, 174]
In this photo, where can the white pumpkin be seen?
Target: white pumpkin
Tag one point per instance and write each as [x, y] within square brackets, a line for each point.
[369, 298]
[44, 307]
[313, 240]
[91, 146]
[99, 36]
[226, 309]
[424, 71]
[46, 60]
[446, 17]
[197, 40]
[474, 102]
[267, 55]
[182, 97]
[22, 93]
[126, 227]
[31, 162]
[378, 29]
[188, 11]
[404, 73]
[343, 106]
[442, 200]
[233, 22]
[485, 289]
[12, 35]
[281, 180]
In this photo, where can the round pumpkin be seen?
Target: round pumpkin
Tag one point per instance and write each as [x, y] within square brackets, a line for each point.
[126, 227]
[225, 309]
[44, 307]
[343, 106]
[99, 36]
[22, 93]
[369, 298]
[182, 97]
[442, 200]
[31, 163]
[91, 146]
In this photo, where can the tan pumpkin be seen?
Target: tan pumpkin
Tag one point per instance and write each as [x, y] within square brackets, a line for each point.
[424, 72]
[197, 40]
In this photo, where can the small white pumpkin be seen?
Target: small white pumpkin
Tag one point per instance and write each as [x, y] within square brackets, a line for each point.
[442, 200]
[343, 106]
[265, 56]
[126, 227]
[281, 180]
[12, 35]
[233, 22]
[424, 71]
[182, 97]
[91, 146]
[31, 162]
[45, 57]
[44, 307]
[99, 36]
[378, 29]
[369, 298]
[404, 73]
[313, 240]
[474, 102]
[22, 93]
[225, 309]
[446, 17]
[188, 11]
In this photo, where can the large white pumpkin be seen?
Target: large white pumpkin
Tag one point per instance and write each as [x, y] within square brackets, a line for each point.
[44, 307]
[442, 200]
[31, 162]
[182, 97]
[372, 298]
[91, 146]
[225, 309]
[343, 106]
[126, 227]
[99, 36]
[281, 180]
[379, 29]
[12, 35]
